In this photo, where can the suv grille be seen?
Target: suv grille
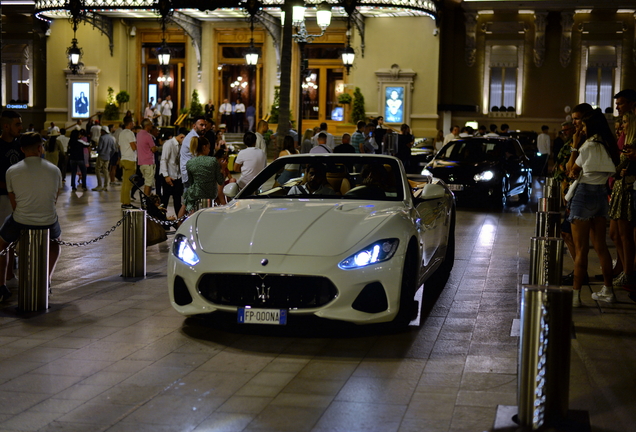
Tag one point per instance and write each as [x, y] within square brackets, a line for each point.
[270, 291]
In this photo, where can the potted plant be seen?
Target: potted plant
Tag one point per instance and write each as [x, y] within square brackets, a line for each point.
[111, 112]
[344, 99]
[358, 113]
[196, 109]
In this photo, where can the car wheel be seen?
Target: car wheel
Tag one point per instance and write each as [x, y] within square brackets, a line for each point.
[527, 191]
[408, 305]
[449, 257]
[500, 196]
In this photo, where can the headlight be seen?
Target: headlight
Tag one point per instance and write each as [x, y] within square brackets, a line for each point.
[377, 252]
[484, 176]
[426, 172]
[183, 250]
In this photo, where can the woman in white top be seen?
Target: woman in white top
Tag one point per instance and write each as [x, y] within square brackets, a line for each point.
[592, 163]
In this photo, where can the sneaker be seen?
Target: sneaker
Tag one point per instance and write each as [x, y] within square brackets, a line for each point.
[605, 294]
[128, 206]
[84, 188]
[576, 298]
[74, 189]
[98, 189]
[619, 280]
[5, 293]
[115, 184]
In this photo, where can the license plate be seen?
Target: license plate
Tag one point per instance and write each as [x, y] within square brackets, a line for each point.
[455, 187]
[262, 316]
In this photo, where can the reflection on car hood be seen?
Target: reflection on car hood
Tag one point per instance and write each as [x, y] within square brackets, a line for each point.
[290, 226]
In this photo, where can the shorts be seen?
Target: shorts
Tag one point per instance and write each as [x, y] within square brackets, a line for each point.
[148, 172]
[589, 202]
[114, 159]
[10, 230]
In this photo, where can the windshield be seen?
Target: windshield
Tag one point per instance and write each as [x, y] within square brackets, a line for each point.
[477, 151]
[329, 176]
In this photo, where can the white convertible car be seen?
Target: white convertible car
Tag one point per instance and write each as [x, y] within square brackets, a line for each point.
[351, 239]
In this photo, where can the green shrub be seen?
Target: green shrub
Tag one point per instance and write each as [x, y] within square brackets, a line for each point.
[358, 112]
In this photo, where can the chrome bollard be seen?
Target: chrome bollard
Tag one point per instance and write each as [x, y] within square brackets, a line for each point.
[205, 203]
[552, 192]
[33, 271]
[546, 260]
[134, 244]
[548, 224]
[544, 356]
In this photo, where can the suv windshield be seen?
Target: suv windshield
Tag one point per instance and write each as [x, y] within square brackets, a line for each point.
[477, 150]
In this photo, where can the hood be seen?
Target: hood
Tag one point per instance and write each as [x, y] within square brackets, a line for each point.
[290, 227]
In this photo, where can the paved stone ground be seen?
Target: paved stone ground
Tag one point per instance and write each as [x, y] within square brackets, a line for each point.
[112, 355]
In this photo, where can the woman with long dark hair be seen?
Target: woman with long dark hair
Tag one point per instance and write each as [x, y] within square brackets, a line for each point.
[291, 170]
[205, 174]
[76, 155]
[592, 163]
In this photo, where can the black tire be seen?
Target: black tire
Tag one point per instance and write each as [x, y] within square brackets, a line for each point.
[449, 257]
[408, 305]
[524, 196]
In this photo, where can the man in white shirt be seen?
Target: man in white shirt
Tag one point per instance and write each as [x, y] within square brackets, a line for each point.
[493, 131]
[53, 128]
[96, 133]
[198, 129]
[63, 158]
[128, 161]
[261, 128]
[226, 113]
[454, 134]
[250, 161]
[171, 171]
[544, 146]
[239, 112]
[166, 111]
[33, 185]
[330, 140]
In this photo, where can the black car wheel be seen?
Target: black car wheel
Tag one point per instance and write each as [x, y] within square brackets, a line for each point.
[527, 191]
[408, 305]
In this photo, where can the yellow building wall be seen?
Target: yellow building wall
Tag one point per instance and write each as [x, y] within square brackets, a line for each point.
[115, 70]
[410, 43]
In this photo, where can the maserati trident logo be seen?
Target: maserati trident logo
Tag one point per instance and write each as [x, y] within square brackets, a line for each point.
[263, 292]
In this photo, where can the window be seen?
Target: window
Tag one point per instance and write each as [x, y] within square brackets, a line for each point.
[17, 76]
[599, 76]
[503, 78]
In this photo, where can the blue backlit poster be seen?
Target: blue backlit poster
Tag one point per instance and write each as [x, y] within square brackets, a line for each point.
[81, 99]
[394, 106]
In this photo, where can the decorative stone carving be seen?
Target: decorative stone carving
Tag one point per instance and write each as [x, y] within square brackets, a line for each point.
[471, 37]
[540, 22]
[567, 22]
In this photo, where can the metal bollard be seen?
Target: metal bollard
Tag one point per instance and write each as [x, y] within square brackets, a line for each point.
[552, 191]
[544, 356]
[33, 271]
[205, 203]
[546, 260]
[134, 244]
[548, 224]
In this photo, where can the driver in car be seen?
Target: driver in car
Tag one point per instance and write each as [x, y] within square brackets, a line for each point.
[314, 182]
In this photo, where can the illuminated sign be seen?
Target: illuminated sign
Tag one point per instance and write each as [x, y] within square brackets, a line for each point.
[17, 106]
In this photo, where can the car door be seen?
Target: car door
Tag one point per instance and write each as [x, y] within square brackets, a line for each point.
[514, 164]
[429, 214]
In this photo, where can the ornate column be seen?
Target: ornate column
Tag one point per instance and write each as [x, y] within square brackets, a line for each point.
[540, 22]
[471, 37]
[567, 22]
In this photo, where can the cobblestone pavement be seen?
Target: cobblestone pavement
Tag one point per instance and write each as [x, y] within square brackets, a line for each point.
[111, 354]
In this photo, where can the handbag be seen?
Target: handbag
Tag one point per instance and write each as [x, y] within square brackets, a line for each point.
[570, 194]
[155, 233]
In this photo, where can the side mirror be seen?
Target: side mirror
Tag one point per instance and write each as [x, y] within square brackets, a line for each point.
[432, 191]
[231, 190]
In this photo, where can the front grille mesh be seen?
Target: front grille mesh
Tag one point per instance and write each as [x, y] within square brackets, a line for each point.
[270, 291]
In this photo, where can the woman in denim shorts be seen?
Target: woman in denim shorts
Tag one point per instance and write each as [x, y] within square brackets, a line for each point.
[592, 163]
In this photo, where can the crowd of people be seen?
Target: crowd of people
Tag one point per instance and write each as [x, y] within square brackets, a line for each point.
[596, 168]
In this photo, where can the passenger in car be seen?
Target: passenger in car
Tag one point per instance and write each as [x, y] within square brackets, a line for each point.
[314, 182]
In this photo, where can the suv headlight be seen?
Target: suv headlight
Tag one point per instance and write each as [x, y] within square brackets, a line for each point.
[484, 176]
[184, 250]
[379, 251]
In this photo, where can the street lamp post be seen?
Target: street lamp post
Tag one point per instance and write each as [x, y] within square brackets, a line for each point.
[302, 38]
